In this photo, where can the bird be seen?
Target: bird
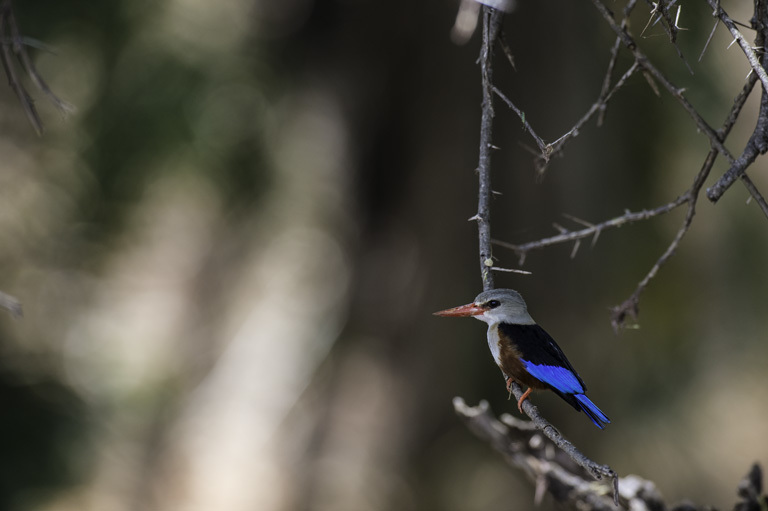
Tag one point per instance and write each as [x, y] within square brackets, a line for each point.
[525, 352]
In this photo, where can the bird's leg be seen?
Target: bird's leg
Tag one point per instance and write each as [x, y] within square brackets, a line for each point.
[509, 387]
[523, 398]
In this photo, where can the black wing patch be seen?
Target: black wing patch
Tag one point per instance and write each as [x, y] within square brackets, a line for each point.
[537, 347]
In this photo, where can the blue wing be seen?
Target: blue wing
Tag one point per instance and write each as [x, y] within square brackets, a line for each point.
[559, 377]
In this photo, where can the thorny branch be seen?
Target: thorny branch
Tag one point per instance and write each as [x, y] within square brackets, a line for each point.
[757, 144]
[12, 44]
[524, 447]
[491, 24]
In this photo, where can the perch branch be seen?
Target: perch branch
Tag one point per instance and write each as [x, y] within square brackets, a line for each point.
[567, 475]
[523, 447]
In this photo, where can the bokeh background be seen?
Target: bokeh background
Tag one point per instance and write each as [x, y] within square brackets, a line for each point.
[229, 254]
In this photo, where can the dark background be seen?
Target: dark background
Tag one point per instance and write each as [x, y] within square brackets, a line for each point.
[228, 258]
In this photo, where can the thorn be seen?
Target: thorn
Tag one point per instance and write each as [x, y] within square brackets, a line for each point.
[594, 238]
[578, 220]
[651, 83]
[560, 228]
[576, 246]
[496, 193]
[511, 270]
[475, 218]
[729, 46]
[494, 147]
[677, 18]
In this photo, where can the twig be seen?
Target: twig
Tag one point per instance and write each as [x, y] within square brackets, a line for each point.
[15, 44]
[20, 49]
[670, 27]
[558, 144]
[543, 146]
[594, 230]
[547, 150]
[10, 70]
[612, 62]
[629, 308]
[676, 92]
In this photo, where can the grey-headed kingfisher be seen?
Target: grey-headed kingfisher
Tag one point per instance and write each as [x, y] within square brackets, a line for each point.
[525, 352]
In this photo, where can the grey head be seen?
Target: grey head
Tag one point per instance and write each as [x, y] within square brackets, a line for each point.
[503, 305]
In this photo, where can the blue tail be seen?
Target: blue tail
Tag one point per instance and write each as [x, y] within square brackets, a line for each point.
[593, 412]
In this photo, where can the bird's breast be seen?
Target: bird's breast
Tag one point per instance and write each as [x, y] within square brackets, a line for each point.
[493, 343]
[508, 356]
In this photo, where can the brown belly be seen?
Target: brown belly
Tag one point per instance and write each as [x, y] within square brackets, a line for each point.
[514, 368]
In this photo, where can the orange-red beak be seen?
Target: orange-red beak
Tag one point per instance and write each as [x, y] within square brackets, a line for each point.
[469, 309]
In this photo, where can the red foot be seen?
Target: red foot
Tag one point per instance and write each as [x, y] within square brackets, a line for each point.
[523, 398]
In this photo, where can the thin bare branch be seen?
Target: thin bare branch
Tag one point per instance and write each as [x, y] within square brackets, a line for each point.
[10, 70]
[675, 92]
[612, 63]
[491, 25]
[20, 49]
[594, 230]
[13, 42]
[630, 307]
[758, 141]
[560, 143]
[754, 61]
[539, 141]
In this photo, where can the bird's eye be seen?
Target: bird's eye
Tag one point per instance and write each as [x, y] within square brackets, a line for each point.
[492, 304]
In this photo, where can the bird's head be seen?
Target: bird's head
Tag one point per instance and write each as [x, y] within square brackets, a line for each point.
[494, 306]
